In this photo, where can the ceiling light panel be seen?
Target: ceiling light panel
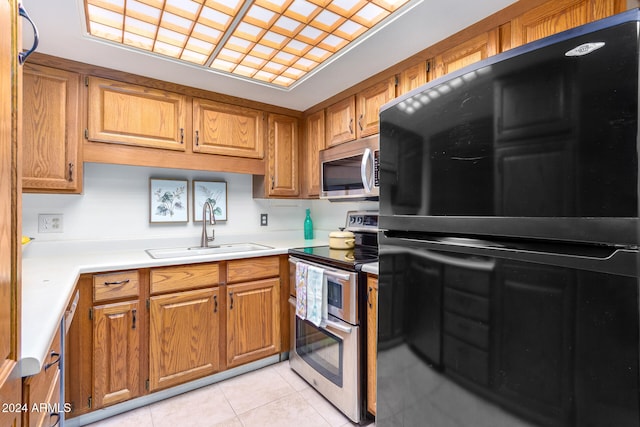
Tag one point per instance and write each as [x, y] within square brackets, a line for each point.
[273, 41]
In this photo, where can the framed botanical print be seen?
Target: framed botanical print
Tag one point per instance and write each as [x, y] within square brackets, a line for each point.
[168, 200]
[214, 192]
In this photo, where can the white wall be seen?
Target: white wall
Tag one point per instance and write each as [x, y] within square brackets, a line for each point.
[115, 205]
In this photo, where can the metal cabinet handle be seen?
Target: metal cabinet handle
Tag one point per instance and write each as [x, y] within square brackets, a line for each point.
[119, 282]
[369, 297]
[351, 125]
[56, 361]
[133, 313]
[231, 296]
[273, 182]
[57, 415]
[22, 56]
[215, 303]
[181, 135]
[70, 172]
[360, 121]
[197, 138]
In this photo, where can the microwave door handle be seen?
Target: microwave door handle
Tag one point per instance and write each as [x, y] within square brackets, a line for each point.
[366, 158]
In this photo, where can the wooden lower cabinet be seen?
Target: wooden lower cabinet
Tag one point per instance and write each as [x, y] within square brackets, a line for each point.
[372, 341]
[253, 321]
[184, 337]
[116, 353]
[41, 392]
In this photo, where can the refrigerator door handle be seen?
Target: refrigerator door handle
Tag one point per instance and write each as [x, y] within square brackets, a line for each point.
[619, 261]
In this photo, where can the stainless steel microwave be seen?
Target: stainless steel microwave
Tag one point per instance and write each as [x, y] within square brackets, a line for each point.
[350, 171]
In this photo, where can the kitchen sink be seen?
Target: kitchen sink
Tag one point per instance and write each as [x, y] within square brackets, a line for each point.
[200, 250]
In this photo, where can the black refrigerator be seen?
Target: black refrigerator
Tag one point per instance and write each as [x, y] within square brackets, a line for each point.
[508, 287]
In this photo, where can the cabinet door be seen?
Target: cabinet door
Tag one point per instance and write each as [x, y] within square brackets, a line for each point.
[368, 103]
[314, 142]
[555, 16]
[534, 338]
[480, 47]
[227, 129]
[135, 115]
[341, 122]
[413, 77]
[116, 353]
[253, 321]
[10, 212]
[282, 164]
[184, 334]
[372, 342]
[50, 129]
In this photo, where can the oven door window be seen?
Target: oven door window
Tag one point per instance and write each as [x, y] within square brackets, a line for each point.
[320, 349]
[334, 293]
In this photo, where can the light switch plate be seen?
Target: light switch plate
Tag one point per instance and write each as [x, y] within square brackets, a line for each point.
[50, 223]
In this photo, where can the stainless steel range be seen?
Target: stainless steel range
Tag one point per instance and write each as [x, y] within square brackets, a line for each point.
[329, 356]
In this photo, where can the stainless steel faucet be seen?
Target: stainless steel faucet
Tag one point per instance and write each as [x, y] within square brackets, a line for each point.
[205, 239]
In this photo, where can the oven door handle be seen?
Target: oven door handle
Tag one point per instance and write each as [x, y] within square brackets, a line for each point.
[336, 325]
[337, 275]
[327, 323]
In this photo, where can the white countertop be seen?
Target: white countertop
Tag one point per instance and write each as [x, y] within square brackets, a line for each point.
[51, 269]
[371, 268]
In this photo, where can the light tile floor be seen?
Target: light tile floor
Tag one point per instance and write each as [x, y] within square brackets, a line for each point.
[271, 396]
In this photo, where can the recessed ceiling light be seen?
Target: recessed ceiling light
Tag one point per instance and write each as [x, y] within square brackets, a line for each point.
[272, 41]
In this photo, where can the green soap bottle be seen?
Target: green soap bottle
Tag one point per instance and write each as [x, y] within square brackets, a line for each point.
[308, 226]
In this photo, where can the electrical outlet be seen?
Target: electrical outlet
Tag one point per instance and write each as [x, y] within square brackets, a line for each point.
[264, 220]
[50, 223]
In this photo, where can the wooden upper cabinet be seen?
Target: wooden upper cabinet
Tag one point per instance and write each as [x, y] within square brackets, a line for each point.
[227, 129]
[340, 122]
[51, 130]
[129, 114]
[473, 50]
[282, 161]
[413, 77]
[357, 116]
[368, 103]
[314, 142]
[559, 15]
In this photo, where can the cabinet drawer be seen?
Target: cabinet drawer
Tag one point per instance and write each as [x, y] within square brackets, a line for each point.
[471, 331]
[468, 280]
[467, 305]
[242, 270]
[39, 388]
[466, 360]
[171, 279]
[115, 285]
